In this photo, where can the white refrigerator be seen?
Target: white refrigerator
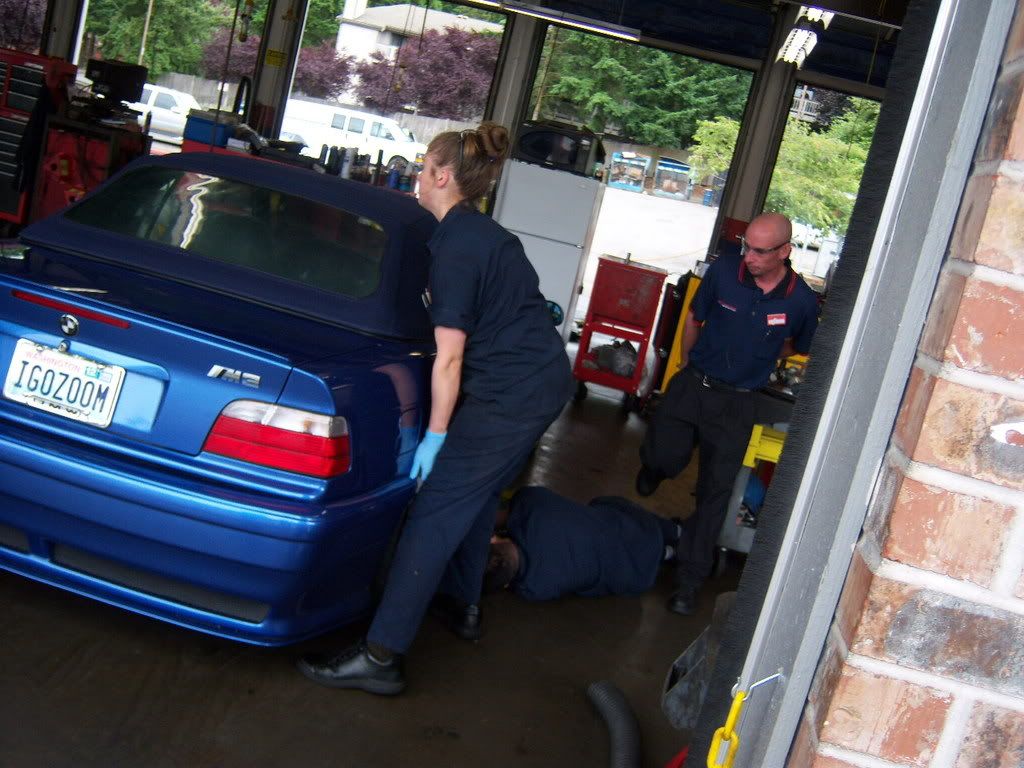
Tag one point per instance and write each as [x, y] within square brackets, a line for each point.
[554, 214]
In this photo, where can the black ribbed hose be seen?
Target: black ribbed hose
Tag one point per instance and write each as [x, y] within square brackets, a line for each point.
[623, 729]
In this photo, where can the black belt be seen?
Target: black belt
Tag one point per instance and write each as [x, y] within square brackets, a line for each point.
[712, 383]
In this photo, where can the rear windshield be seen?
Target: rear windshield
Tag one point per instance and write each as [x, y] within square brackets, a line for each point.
[237, 223]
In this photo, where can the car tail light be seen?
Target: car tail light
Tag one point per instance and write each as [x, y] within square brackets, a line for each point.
[284, 438]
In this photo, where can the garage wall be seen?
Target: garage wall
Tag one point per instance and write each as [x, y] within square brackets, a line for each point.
[925, 660]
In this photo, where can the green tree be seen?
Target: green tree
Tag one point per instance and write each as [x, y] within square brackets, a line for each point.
[857, 124]
[321, 21]
[178, 30]
[714, 142]
[644, 95]
[816, 177]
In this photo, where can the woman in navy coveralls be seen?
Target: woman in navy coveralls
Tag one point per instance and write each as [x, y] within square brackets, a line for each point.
[500, 378]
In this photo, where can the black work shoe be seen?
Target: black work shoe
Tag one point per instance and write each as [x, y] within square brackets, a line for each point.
[466, 621]
[354, 668]
[683, 602]
[648, 480]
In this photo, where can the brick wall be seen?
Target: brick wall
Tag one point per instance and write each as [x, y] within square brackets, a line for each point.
[924, 665]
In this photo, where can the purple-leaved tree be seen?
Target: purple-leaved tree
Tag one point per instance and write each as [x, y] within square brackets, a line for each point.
[21, 24]
[443, 74]
[321, 72]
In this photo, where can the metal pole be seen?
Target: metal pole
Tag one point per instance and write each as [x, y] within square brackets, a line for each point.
[145, 31]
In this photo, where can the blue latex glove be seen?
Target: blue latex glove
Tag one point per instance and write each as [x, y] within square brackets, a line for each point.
[426, 452]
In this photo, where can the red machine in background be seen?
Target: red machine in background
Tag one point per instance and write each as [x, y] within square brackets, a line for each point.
[76, 158]
[623, 306]
[31, 87]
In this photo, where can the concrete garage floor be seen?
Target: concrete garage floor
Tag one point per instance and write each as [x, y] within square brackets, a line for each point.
[86, 685]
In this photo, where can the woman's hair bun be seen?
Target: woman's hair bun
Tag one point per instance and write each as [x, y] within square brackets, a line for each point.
[495, 140]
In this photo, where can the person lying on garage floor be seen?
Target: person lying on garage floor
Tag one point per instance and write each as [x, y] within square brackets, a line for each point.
[556, 546]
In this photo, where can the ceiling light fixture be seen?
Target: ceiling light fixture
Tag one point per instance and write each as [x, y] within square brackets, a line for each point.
[577, 22]
[803, 37]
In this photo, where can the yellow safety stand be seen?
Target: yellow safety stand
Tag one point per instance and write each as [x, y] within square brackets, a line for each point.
[765, 444]
[675, 356]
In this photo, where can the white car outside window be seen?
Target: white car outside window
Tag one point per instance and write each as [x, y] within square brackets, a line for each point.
[168, 109]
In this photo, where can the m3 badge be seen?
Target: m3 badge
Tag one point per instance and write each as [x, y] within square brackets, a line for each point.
[234, 376]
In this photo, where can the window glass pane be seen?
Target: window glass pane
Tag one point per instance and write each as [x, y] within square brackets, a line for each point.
[165, 101]
[669, 124]
[338, 122]
[236, 223]
[394, 60]
[356, 124]
[818, 171]
[147, 94]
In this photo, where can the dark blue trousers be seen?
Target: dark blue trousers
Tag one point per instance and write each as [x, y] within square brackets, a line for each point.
[446, 539]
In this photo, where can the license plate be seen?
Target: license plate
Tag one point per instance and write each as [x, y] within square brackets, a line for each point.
[67, 385]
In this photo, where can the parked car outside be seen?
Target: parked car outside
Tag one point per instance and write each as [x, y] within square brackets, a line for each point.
[168, 109]
[318, 124]
[216, 371]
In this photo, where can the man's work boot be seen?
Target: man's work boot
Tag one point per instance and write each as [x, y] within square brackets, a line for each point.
[355, 668]
[466, 621]
[648, 480]
[684, 601]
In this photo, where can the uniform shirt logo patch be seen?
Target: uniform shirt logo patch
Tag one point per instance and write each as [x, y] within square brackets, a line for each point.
[779, 319]
[730, 307]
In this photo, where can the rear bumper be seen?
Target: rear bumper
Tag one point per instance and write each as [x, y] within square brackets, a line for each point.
[244, 566]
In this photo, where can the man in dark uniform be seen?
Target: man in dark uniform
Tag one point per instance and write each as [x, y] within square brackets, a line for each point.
[557, 547]
[748, 312]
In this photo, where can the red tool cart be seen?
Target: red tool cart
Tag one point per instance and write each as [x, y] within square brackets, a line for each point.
[623, 307]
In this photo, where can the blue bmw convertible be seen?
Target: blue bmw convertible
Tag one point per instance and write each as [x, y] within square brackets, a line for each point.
[215, 374]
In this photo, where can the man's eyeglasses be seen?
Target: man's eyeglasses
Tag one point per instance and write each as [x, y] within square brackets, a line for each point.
[744, 247]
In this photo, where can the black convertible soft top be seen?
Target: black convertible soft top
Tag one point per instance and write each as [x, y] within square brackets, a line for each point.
[395, 309]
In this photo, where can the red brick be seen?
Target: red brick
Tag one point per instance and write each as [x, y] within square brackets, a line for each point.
[890, 719]
[1001, 240]
[995, 739]
[821, 761]
[855, 594]
[912, 412]
[948, 533]
[987, 332]
[805, 744]
[971, 218]
[1015, 42]
[1002, 137]
[823, 686]
[942, 314]
[956, 434]
[944, 635]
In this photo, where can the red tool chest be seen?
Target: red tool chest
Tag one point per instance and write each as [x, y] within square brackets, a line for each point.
[623, 306]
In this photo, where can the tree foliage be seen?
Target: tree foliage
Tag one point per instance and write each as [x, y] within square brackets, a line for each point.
[644, 95]
[178, 31]
[21, 24]
[816, 177]
[243, 57]
[321, 72]
[441, 74]
[817, 172]
[321, 21]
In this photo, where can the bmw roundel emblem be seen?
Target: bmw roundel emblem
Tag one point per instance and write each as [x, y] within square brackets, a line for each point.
[68, 325]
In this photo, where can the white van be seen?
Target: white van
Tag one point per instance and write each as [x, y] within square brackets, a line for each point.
[316, 124]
